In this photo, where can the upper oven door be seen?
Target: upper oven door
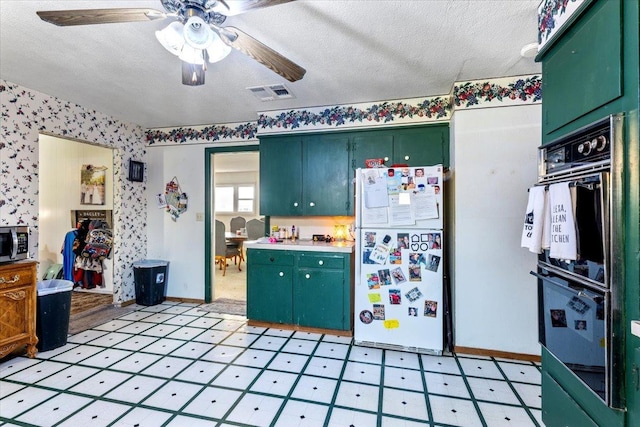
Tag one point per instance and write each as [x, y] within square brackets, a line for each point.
[591, 217]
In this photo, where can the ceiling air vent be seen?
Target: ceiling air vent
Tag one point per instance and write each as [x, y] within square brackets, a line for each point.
[271, 92]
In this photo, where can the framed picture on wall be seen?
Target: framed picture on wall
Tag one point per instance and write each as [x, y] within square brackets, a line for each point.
[136, 171]
[92, 185]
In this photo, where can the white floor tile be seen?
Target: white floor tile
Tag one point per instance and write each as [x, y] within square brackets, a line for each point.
[236, 377]
[492, 390]
[185, 333]
[136, 342]
[182, 421]
[241, 339]
[315, 389]
[230, 325]
[255, 358]
[178, 309]
[161, 330]
[86, 336]
[323, 367]
[113, 325]
[23, 400]
[181, 320]
[255, 410]
[366, 354]
[173, 395]
[136, 316]
[167, 367]
[159, 317]
[358, 396]
[268, 342]
[302, 414]
[332, 349]
[163, 346]
[284, 333]
[203, 322]
[288, 362]
[480, 368]
[201, 372]
[136, 362]
[445, 384]
[442, 364]
[388, 421]
[137, 327]
[78, 353]
[521, 373]
[456, 412]
[191, 350]
[136, 389]
[401, 359]
[97, 414]
[106, 358]
[299, 346]
[54, 410]
[339, 339]
[110, 339]
[212, 402]
[404, 403]
[143, 417]
[407, 379]
[11, 366]
[7, 388]
[362, 372]
[100, 383]
[68, 377]
[530, 394]
[212, 336]
[222, 353]
[307, 336]
[346, 417]
[273, 382]
[505, 416]
[37, 372]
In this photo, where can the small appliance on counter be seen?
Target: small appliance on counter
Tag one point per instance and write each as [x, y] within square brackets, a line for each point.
[14, 243]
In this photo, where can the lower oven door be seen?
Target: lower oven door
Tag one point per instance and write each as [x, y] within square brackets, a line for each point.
[574, 324]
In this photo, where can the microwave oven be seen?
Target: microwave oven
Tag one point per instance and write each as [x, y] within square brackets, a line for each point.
[14, 243]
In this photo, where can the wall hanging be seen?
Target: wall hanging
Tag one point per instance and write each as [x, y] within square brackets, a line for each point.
[173, 199]
[92, 189]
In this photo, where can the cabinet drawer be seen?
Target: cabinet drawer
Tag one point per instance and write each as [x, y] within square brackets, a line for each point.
[18, 276]
[261, 256]
[321, 261]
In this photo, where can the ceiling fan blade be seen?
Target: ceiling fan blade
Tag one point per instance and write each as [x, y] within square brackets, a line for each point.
[261, 53]
[236, 7]
[65, 18]
[192, 74]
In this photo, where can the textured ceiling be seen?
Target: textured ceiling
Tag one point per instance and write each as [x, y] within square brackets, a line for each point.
[353, 51]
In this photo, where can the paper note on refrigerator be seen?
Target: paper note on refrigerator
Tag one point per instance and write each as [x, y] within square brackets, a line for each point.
[424, 204]
[400, 213]
[375, 192]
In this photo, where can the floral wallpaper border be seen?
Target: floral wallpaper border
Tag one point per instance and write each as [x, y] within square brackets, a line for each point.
[472, 94]
[552, 16]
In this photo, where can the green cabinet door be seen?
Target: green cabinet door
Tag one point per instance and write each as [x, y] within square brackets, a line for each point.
[326, 176]
[421, 146]
[281, 176]
[270, 286]
[319, 297]
[371, 145]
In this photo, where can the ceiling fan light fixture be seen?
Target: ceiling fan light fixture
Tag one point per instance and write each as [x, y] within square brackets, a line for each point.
[218, 50]
[171, 37]
[192, 55]
[197, 33]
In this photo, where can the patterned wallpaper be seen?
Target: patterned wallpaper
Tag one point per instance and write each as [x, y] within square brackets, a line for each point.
[25, 114]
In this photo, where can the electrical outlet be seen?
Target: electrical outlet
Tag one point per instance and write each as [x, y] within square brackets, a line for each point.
[199, 216]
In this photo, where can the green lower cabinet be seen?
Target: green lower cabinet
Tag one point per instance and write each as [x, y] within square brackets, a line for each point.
[310, 289]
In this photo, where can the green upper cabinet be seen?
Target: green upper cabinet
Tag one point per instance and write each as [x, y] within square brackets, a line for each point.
[326, 175]
[370, 145]
[421, 146]
[281, 176]
[584, 70]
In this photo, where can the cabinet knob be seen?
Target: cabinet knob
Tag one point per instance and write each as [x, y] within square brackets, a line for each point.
[386, 159]
[406, 157]
[312, 204]
[271, 259]
[281, 274]
[321, 262]
[307, 275]
[295, 204]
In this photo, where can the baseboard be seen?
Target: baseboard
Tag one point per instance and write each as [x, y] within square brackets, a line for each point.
[300, 328]
[187, 300]
[497, 353]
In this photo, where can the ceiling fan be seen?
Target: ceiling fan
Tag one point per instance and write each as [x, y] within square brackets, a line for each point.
[195, 36]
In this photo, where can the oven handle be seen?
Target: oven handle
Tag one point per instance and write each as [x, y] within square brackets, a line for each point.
[581, 294]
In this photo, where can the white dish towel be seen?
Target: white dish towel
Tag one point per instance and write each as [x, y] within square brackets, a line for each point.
[534, 220]
[562, 232]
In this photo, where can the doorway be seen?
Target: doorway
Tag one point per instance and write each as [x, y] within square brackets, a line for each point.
[231, 167]
[62, 170]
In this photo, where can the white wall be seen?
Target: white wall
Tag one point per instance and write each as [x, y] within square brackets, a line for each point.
[59, 190]
[494, 161]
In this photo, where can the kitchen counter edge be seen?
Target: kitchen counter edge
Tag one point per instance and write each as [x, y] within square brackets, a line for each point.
[304, 245]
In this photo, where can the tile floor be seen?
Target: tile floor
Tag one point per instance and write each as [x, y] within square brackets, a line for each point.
[174, 365]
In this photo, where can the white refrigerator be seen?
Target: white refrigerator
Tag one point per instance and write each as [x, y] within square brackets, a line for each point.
[398, 298]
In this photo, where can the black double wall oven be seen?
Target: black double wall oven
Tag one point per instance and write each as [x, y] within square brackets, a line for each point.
[578, 298]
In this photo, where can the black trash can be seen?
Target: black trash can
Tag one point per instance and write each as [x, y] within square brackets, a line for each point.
[53, 313]
[150, 276]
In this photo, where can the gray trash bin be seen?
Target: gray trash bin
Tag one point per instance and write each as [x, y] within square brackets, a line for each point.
[150, 276]
[53, 313]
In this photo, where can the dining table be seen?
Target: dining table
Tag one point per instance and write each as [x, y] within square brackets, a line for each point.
[238, 239]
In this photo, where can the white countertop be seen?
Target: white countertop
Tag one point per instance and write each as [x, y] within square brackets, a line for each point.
[302, 245]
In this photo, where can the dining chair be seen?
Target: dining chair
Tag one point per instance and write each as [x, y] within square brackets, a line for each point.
[237, 223]
[225, 250]
[255, 229]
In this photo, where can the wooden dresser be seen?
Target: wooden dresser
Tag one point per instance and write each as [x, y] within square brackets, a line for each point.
[18, 297]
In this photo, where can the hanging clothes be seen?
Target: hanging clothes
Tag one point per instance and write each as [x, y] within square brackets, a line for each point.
[68, 257]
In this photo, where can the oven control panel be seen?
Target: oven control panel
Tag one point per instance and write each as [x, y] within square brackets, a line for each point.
[587, 146]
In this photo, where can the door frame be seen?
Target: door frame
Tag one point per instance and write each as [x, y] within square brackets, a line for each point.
[209, 213]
